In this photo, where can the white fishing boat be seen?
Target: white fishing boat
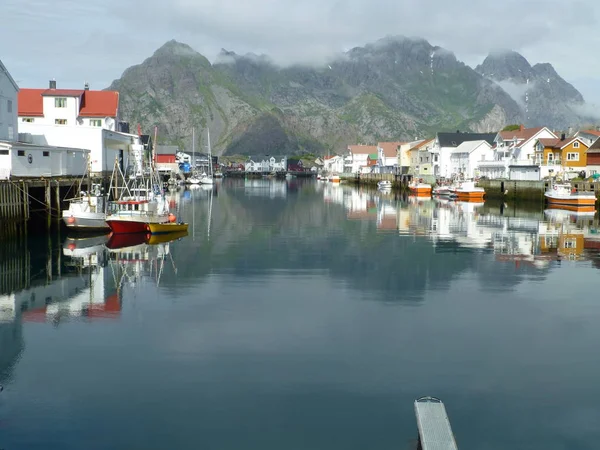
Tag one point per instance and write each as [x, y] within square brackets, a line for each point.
[87, 212]
[194, 178]
[384, 184]
[563, 195]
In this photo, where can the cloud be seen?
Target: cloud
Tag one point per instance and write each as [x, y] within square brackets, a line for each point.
[101, 41]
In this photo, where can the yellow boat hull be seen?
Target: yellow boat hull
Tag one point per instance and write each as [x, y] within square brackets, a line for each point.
[162, 228]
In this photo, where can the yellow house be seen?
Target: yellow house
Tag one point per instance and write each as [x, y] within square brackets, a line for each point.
[568, 153]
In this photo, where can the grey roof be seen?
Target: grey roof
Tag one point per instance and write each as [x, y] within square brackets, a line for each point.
[455, 139]
[10, 78]
[166, 149]
[595, 147]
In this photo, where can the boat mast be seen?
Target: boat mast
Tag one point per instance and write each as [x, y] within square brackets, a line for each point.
[209, 154]
[194, 149]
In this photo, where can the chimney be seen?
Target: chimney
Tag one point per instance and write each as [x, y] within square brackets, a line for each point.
[562, 137]
[522, 127]
[86, 86]
[52, 84]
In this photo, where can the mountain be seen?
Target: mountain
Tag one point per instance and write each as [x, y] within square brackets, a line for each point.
[394, 89]
[545, 97]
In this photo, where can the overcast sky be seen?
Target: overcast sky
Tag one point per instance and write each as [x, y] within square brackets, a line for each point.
[76, 41]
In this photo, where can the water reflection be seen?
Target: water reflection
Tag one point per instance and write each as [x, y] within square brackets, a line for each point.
[513, 234]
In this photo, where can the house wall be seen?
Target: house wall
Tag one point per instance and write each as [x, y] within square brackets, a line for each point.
[593, 163]
[524, 173]
[526, 151]
[8, 108]
[580, 153]
[28, 161]
[103, 150]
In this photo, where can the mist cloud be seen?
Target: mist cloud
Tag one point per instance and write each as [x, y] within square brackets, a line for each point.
[102, 40]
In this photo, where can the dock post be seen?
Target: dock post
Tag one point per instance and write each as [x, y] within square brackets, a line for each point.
[48, 201]
[57, 200]
[25, 200]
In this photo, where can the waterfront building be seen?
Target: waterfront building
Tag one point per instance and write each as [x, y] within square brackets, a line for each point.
[78, 118]
[8, 105]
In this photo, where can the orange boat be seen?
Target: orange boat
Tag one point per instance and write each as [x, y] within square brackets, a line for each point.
[468, 192]
[420, 189]
[562, 196]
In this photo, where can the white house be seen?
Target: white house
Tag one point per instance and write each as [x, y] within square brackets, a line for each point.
[465, 157]
[8, 105]
[22, 160]
[588, 136]
[514, 148]
[77, 118]
[445, 143]
[356, 159]
[266, 164]
[387, 156]
[334, 164]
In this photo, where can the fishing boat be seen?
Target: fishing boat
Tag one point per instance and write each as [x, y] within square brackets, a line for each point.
[170, 227]
[334, 178]
[420, 189]
[87, 212]
[141, 201]
[155, 239]
[443, 190]
[562, 195]
[384, 184]
[467, 191]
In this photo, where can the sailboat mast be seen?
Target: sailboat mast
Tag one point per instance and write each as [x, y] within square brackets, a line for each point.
[209, 154]
[193, 149]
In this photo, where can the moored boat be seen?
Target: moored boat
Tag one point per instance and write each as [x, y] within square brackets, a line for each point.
[384, 184]
[562, 195]
[154, 239]
[420, 189]
[334, 178]
[467, 191]
[170, 227]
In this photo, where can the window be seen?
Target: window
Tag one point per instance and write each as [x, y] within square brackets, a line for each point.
[9, 106]
[27, 119]
[46, 153]
[572, 156]
[20, 152]
[60, 102]
[60, 121]
[95, 122]
[575, 144]
[3, 152]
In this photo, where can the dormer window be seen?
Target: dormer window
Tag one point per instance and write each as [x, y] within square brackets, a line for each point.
[575, 144]
[60, 102]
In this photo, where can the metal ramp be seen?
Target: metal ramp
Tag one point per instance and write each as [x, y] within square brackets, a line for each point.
[435, 432]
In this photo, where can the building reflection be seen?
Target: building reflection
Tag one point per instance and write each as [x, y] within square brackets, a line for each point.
[520, 236]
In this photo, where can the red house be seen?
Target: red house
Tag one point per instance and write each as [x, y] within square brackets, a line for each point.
[166, 154]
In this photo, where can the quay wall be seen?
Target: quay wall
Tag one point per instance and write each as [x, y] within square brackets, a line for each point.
[371, 179]
[528, 190]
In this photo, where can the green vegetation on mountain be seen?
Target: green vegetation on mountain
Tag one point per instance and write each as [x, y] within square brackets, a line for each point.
[394, 89]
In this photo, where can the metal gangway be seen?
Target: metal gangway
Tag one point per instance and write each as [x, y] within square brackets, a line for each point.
[435, 432]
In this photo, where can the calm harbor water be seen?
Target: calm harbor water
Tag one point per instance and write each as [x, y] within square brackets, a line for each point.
[303, 315]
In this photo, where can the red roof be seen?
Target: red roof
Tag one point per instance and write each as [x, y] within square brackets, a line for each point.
[30, 102]
[524, 134]
[560, 143]
[99, 104]
[63, 92]
[362, 149]
[93, 103]
[422, 144]
[592, 132]
[390, 149]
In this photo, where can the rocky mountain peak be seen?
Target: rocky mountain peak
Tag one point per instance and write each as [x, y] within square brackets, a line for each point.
[505, 65]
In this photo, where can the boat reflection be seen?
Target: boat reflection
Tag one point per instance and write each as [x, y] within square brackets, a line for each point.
[519, 235]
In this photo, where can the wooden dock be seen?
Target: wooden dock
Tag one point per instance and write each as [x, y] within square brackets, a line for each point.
[22, 198]
[435, 432]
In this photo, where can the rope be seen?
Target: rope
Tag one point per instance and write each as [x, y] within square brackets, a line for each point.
[51, 209]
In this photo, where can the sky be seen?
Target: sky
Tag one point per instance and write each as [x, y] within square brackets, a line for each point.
[76, 41]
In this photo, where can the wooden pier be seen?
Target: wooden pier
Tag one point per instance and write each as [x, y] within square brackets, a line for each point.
[22, 199]
[435, 432]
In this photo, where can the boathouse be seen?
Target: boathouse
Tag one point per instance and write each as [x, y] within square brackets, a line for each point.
[18, 159]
